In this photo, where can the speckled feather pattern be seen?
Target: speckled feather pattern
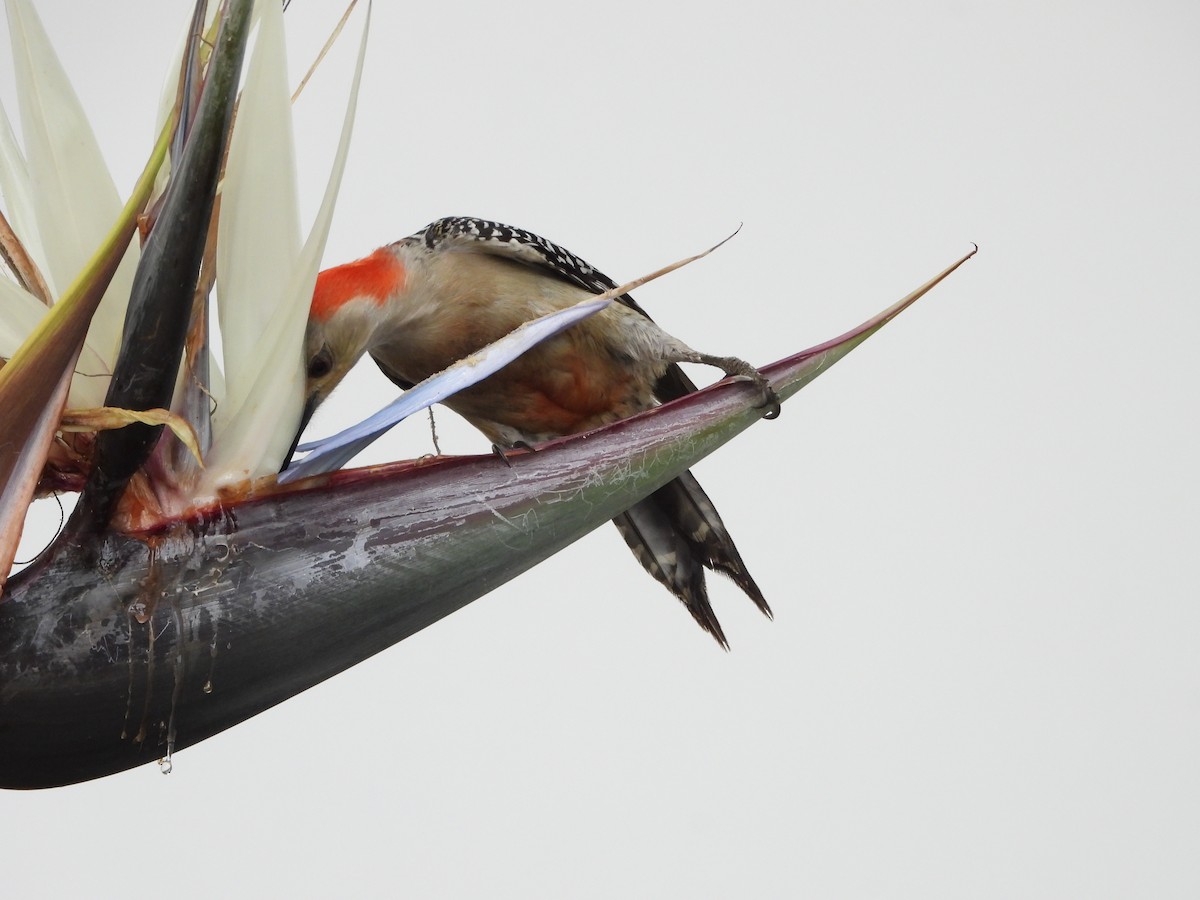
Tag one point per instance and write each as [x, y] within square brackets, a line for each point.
[514, 243]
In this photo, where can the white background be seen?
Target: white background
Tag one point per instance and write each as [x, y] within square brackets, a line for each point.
[976, 532]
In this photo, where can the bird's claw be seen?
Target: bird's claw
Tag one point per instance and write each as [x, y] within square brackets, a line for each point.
[770, 400]
[499, 451]
[516, 445]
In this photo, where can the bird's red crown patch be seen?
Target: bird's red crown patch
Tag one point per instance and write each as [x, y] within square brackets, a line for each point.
[376, 276]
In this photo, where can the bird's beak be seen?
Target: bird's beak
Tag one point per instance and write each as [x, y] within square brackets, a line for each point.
[309, 406]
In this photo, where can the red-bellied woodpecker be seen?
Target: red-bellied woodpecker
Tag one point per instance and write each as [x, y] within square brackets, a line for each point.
[420, 304]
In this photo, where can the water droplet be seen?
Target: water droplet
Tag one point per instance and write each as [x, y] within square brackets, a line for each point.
[207, 687]
[164, 765]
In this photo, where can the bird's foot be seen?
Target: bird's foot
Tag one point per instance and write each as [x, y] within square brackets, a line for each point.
[503, 454]
[739, 368]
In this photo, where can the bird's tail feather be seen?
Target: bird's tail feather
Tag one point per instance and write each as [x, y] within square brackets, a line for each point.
[676, 533]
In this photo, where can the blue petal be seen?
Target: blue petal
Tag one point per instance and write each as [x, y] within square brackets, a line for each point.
[332, 453]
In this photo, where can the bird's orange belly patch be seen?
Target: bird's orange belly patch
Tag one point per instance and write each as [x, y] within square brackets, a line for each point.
[545, 401]
[570, 383]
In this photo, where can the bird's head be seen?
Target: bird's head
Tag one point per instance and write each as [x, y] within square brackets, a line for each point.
[350, 308]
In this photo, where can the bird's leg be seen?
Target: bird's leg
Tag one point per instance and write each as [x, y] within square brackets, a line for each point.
[739, 368]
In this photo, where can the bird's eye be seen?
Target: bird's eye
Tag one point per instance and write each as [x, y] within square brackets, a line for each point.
[321, 364]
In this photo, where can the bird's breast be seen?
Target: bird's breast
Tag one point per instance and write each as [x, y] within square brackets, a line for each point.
[585, 377]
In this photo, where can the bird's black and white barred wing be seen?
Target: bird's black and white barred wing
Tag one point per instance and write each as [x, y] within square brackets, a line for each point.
[482, 236]
[519, 245]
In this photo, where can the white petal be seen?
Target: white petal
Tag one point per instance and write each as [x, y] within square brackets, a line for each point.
[75, 200]
[255, 439]
[259, 235]
[18, 194]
